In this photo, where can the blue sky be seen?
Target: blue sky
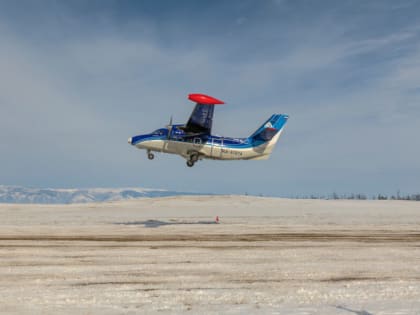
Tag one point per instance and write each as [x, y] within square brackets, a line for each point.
[77, 78]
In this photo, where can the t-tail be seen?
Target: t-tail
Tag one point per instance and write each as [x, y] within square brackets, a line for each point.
[265, 138]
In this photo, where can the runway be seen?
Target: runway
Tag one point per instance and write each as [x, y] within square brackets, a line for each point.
[267, 256]
[366, 236]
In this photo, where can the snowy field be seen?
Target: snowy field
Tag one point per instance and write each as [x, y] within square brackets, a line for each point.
[167, 256]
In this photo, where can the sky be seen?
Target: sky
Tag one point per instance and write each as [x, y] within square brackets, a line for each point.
[77, 78]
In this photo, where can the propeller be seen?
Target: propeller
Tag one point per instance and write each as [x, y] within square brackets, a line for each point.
[169, 126]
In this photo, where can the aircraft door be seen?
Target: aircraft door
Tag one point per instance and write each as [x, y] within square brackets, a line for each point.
[197, 142]
[216, 148]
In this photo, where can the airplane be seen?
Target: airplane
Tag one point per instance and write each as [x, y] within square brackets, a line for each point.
[194, 141]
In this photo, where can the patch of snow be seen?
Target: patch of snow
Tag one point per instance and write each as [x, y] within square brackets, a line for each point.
[17, 194]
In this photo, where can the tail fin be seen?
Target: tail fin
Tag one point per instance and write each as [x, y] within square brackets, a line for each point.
[264, 139]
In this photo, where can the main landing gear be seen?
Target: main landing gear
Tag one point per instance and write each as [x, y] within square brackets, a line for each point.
[150, 155]
[192, 160]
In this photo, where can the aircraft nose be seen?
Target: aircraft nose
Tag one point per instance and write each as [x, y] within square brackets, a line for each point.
[130, 140]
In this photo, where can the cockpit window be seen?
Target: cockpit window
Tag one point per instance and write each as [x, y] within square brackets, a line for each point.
[159, 132]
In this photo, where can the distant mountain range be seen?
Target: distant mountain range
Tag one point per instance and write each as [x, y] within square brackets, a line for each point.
[16, 194]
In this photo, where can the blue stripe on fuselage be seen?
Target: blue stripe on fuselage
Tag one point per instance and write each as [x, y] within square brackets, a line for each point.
[147, 137]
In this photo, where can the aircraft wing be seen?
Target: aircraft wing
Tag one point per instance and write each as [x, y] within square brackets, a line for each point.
[201, 119]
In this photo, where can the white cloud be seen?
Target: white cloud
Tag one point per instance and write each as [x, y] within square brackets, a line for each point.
[67, 107]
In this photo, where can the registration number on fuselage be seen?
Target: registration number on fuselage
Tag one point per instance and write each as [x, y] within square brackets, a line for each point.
[231, 152]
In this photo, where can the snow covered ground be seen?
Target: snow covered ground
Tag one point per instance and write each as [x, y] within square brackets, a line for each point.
[166, 256]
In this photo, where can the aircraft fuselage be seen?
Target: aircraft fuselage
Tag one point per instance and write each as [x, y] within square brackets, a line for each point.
[202, 146]
[194, 140]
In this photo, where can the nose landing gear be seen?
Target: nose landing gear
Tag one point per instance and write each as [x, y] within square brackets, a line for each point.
[150, 155]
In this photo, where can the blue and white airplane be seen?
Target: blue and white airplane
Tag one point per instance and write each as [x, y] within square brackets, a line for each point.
[194, 141]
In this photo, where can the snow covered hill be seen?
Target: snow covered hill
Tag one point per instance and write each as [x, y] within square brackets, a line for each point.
[16, 194]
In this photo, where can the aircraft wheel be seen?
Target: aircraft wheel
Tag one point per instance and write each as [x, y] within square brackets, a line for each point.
[190, 163]
[150, 156]
[194, 157]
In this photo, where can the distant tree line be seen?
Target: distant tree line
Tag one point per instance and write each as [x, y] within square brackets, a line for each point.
[335, 196]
